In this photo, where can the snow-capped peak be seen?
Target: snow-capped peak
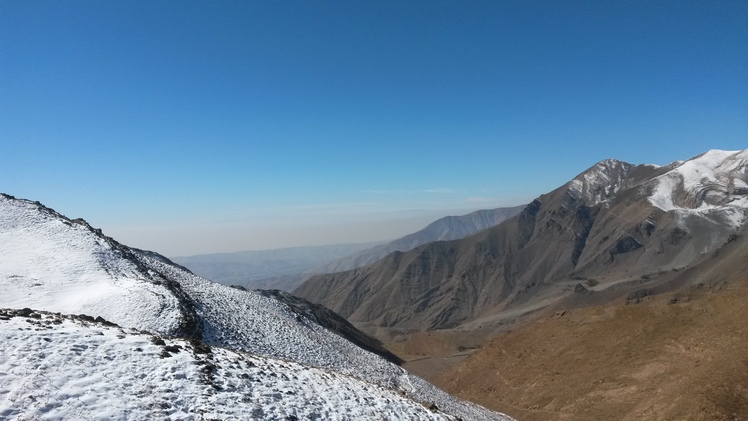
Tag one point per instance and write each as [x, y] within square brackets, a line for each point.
[716, 180]
[712, 180]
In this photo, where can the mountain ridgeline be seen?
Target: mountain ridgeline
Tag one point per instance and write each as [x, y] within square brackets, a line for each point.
[613, 230]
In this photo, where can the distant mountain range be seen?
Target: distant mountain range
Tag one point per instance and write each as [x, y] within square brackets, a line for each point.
[94, 328]
[285, 269]
[613, 230]
[444, 229]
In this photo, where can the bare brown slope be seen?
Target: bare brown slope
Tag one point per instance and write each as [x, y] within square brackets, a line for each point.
[677, 356]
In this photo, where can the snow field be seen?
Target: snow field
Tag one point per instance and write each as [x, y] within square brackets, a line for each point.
[704, 179]
[58, 368]
[249, 322]
[49, 263]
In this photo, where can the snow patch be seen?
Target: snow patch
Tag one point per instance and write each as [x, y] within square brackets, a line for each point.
[713, 181]
[49, 263]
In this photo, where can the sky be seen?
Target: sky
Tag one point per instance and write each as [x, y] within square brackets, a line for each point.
[189, 127]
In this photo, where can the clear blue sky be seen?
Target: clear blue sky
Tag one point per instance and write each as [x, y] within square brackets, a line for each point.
[191, 127]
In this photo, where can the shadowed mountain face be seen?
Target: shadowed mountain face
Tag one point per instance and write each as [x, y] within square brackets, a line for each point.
[611, 229]
[665, 352]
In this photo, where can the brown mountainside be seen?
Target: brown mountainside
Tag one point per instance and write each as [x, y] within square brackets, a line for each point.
[680, 356]
[607, 233]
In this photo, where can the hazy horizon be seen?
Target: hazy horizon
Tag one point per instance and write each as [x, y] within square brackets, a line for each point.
[378, 228]
[190, 128]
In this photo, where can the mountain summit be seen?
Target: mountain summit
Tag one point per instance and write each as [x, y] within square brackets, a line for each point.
[612, 230]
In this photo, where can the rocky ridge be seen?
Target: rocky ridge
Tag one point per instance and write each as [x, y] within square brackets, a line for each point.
[613, 229]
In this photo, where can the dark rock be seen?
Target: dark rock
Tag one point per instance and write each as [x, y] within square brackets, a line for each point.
[580, 289]
[200, 348]
[638, 296]
[105, 322]
[625, 245]
[677, 235]
[646, 228]
[172, 348]
[526, 222]
[583, 221]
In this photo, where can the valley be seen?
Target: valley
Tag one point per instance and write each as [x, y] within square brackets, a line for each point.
[629, 241]
[619, 295]
[373, 210]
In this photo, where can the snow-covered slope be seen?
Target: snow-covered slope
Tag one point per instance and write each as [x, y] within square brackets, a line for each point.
[713, 183]
[57, 367]
[51, 263]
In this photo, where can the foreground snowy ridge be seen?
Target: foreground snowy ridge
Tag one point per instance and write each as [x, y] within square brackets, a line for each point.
[63, 367]
[51, 263]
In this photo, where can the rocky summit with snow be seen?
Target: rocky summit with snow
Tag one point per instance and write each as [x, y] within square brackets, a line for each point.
[95, 329]
[714, 183]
